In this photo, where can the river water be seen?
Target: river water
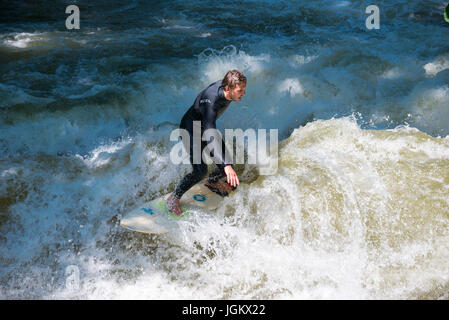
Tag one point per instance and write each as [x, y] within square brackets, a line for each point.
[359, 205]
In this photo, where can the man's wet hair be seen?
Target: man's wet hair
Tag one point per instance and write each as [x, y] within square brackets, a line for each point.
[233, 78]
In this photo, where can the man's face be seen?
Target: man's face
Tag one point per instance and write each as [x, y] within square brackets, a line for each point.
[238, 92]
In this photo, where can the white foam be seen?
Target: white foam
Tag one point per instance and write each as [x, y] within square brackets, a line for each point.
[393, 73]
[23, 39]
[435, 67]
[291, 86]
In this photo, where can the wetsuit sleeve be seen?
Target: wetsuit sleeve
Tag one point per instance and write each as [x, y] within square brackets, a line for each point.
[209, 122]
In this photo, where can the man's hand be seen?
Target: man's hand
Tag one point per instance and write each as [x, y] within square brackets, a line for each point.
[233, 180]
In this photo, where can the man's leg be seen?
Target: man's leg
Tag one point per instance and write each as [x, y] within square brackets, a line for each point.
[214, 181]
[198, 173]
[215, 184]
[217, 174]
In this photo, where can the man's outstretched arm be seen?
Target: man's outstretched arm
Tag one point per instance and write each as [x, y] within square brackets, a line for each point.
[217, 146]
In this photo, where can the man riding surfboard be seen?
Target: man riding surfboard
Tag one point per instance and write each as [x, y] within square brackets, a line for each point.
[208, 106]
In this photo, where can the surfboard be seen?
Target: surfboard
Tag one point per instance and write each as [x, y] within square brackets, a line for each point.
[154, 216]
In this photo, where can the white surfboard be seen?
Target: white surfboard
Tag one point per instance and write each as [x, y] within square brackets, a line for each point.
[154, 216]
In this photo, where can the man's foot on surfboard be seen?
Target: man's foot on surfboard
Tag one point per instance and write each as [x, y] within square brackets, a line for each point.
[173, 205]
[220, 187]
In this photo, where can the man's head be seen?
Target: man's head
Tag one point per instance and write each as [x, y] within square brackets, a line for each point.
[234, 84]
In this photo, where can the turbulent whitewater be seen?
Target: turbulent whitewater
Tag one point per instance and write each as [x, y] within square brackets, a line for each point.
[359, 205]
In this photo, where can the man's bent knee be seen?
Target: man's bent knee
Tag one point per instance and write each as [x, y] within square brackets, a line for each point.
[200, 170]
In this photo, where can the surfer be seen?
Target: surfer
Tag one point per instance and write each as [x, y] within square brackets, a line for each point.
[208, 106]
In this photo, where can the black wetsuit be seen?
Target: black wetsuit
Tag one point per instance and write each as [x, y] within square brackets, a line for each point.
[208, 106]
